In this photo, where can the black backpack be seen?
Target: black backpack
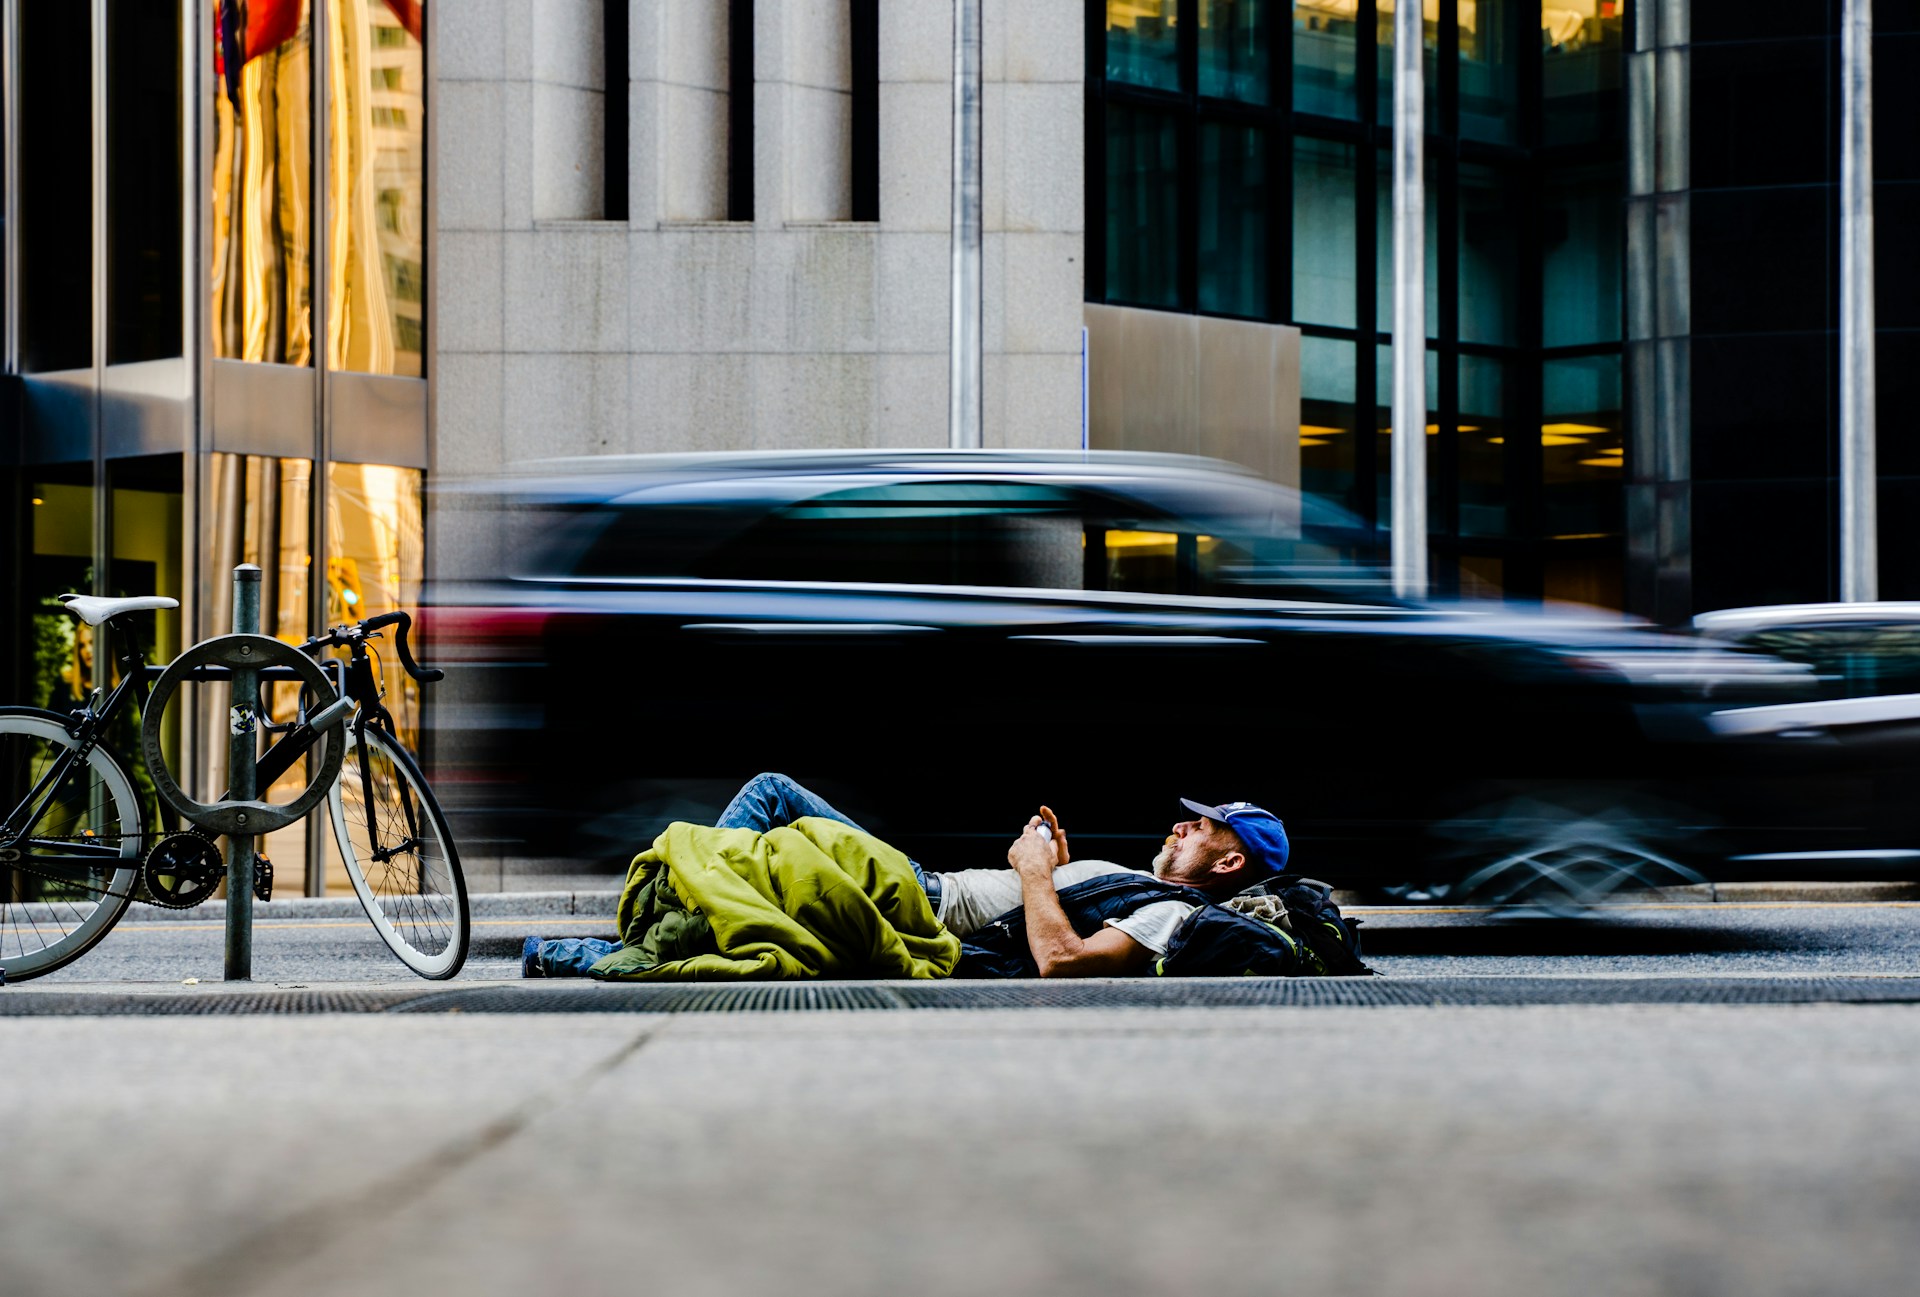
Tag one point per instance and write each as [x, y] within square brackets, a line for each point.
[1315, 939]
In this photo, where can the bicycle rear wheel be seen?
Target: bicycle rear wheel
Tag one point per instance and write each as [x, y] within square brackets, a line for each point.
[400, 855]
[68, 874]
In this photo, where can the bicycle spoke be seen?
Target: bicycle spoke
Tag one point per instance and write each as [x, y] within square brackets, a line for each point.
[65, 878]
[402, 863]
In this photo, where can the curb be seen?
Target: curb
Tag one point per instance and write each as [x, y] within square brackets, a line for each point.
[482, 905]
[501, 997]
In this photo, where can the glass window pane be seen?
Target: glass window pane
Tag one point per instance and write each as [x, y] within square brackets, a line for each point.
[1143, 46]
[1233, 220]
[1143, 208]
[376, 283]
[1233, 49]
[1142, 560]
[373, 566]
[1490, 49]
[1383, 250]
[374, 562]
[1323, 232]
[55, 198]
[1383, 447]
[260, 513]
[1582, 234]
[1581, 60]
[1383, 53]
[1582, 454]
[59, 560]
[1327, 422]
[262, 272]
[148, 539]
[1482, 433]
[1489, 235]
[144, 140]
[1326, 43]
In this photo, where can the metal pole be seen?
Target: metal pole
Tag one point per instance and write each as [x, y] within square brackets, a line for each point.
[1409, 305]
[964, 420]
[241, 753]
[1859, 535]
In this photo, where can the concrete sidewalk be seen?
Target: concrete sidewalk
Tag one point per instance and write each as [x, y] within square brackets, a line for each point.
[1610, 1152]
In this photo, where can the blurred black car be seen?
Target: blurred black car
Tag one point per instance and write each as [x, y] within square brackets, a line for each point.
[940, 641]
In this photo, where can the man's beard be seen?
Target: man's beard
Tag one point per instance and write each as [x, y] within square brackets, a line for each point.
[1162, 860]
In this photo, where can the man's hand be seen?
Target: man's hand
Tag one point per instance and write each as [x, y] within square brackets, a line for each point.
[1032, 855]
[1059, 951]
[1060, 854]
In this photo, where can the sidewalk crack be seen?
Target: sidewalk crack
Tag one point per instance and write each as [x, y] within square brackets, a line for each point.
[275, 1246]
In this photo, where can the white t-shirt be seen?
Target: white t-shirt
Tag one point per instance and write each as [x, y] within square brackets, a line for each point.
[972, 898]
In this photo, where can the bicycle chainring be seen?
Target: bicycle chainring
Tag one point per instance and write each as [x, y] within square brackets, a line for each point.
[182, 870]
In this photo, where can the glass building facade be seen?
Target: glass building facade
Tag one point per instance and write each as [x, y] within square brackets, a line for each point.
[1238, 165]
[215, 331]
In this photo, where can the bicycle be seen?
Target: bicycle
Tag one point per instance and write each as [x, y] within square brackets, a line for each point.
[74, 847]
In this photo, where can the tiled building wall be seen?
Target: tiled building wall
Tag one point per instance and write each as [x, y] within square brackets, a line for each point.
[679, 330]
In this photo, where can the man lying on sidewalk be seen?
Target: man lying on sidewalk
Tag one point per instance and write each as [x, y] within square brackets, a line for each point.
[1113, 920]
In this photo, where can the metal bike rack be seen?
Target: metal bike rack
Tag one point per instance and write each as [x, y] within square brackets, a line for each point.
[242, 816]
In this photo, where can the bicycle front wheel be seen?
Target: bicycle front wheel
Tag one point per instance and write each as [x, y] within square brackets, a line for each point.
[400, 855]
[70, 853]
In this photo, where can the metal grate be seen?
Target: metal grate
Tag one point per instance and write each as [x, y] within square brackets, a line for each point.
[797, 997]
[663, 997]
[15, 1003]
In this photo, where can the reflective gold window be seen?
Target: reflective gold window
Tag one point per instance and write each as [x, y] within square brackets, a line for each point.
[263, 181]
[376, 78]
[261, 510]
[375, 563]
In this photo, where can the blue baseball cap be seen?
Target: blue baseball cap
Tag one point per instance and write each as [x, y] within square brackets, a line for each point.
[1260, 830]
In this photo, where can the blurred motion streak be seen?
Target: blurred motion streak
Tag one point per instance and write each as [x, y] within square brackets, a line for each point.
[942, 640]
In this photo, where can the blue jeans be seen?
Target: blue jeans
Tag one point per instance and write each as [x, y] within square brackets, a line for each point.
[764, 802]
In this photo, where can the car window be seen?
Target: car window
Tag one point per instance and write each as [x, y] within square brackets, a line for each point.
[1023, 534]
[920, 533]
[1852, 661]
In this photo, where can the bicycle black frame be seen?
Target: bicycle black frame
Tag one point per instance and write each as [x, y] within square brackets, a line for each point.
[364, 688]
[86, 724]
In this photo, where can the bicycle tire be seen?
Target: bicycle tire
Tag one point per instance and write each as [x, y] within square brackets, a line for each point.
[418, 899]
[39, 934]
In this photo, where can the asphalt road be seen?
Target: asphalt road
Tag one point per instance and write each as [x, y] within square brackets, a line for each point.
[1679, 940]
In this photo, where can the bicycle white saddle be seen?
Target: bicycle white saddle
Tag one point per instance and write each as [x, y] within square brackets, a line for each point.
[93, 611]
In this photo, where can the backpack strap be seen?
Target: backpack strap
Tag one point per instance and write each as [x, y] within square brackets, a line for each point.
[1331, 938]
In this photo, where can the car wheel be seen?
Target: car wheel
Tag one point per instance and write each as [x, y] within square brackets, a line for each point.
[1556, 859]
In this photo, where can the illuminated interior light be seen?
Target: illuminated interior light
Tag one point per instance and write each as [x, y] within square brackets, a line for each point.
[1574, 429]
[1141, 540]
[1321, 430]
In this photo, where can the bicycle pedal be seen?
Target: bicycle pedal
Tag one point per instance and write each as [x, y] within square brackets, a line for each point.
[262, 878]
